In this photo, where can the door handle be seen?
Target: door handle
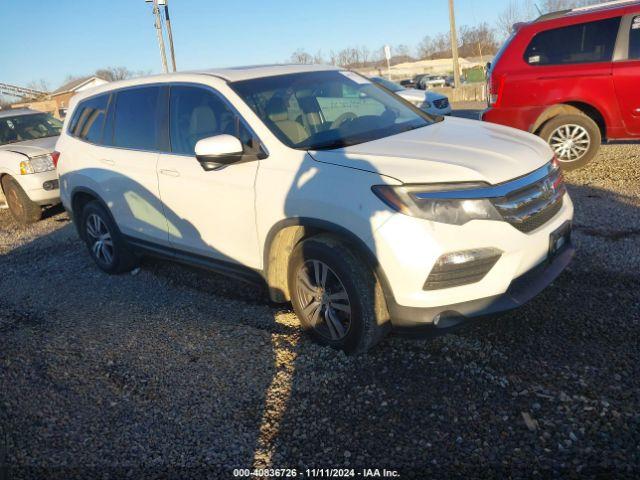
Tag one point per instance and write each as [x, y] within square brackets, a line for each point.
[169, 173]
[636, 111]
[108, 161]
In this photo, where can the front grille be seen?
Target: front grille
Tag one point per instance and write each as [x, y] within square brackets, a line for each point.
[441, 103]
[530, 207]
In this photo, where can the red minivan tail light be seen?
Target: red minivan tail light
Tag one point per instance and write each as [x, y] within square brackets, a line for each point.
[55, 156]
[495, 88]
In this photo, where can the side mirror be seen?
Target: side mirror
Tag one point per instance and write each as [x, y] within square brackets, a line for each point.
[218, 151]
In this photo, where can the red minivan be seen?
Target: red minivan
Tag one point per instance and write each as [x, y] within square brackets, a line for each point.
[571, 77]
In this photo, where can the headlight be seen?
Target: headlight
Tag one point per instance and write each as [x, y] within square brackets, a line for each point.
[43, 163]
[422, 201]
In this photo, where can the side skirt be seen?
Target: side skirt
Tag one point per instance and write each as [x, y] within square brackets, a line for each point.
[233, 270]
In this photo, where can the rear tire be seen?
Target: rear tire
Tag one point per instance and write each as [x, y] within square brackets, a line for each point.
[336, 295]
[22, 208]
[575, 139]
[107, 247]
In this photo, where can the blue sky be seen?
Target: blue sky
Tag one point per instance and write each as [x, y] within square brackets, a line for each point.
[53, 39]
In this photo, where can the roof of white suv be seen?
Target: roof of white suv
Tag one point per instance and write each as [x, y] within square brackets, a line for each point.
[234, 74]
[231, 74]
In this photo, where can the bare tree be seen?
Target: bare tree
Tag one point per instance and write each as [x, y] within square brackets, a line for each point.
[477, 41]
[112, 74]
[302, 57]
[40, 85]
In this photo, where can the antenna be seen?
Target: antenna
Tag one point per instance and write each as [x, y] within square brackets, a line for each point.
[537, 8]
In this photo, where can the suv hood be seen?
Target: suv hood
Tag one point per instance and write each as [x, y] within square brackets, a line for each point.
[453, 150]
[32, 148]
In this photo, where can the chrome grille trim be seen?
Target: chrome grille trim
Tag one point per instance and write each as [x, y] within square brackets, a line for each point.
[532, 206]
[527, 202]
[493, 191]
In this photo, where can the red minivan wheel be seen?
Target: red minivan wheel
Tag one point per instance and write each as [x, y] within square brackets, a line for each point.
[575, 139]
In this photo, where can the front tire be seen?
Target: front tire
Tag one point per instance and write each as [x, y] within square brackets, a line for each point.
[106, 245]
[575, 139]
[336, 295]
[22, 208]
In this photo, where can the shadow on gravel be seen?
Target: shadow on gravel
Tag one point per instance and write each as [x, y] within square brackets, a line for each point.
[157, 374]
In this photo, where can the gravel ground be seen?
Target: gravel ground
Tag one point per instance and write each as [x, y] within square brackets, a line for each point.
[176, 372]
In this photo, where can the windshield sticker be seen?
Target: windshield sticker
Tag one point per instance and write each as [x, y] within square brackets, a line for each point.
[534, 59]
[636, 23]
[11, 125]
[355, 77]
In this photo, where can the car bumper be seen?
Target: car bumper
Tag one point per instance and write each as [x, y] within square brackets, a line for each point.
[41, 188]
[520, 291]
[522, 118]
[407, 249]
[439, 111]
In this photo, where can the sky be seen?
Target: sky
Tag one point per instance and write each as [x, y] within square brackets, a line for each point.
[52, 39]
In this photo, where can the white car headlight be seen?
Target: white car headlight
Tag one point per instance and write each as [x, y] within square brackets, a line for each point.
[43, 163]
[407, 199]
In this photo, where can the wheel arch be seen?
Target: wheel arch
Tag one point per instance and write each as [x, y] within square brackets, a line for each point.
[81, 196]
[571, 108]
[287, 233]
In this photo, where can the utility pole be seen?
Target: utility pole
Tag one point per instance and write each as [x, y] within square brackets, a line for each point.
[454, 45]
[158, 25]
[169, 34]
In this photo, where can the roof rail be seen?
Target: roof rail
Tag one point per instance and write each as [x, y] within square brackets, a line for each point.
[588, 8]
[598, 6]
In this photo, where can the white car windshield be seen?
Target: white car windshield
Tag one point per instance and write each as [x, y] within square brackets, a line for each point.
[20, 128]
[388, 84]
[329, 109]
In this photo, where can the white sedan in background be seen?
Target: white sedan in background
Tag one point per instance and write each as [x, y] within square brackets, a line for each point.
[28, 178]
[430, 102]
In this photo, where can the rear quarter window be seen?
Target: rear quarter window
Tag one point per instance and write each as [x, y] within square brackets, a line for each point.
[88, 119]
[582, 43]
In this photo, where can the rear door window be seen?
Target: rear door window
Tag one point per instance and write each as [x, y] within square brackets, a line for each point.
[634, 39]
[88, 119]
[136, 121]
[583, 43]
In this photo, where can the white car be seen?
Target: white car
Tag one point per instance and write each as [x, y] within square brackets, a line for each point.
[363, 212]
[430, 102]
[28, 178]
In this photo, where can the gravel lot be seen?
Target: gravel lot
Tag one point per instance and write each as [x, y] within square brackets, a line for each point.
[173, 371]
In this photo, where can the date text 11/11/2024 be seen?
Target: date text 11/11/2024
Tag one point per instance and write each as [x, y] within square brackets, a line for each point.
[316, 473]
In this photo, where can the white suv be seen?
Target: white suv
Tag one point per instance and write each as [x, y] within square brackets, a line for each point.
[359, 208]
[28, 178]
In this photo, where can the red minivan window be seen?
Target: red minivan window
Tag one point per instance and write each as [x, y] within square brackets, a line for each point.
[582, 43]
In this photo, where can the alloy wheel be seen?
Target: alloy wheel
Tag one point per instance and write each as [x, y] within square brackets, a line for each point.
[100, 241]
[324, 300]
[570, 142]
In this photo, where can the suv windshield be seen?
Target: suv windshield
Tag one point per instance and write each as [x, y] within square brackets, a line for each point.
[325, 110]
[28, 127]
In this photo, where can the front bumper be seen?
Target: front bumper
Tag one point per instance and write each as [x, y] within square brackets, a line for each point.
[42, 188]
[520, 291]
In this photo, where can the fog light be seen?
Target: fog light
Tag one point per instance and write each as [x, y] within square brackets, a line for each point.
[461, 268]
[51, 185]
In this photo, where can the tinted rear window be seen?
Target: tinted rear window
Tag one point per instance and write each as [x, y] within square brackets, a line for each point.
[583, 43]
[88, 119]
[136, 118]
[634, 39]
